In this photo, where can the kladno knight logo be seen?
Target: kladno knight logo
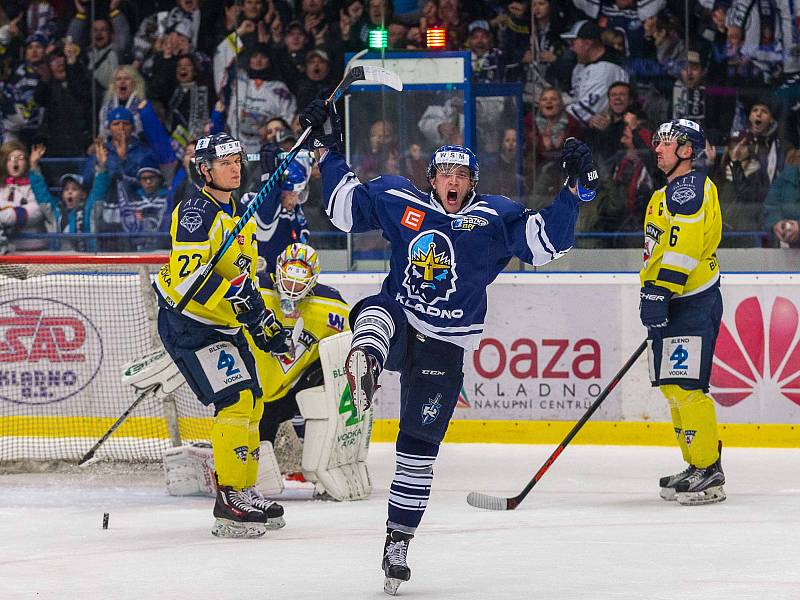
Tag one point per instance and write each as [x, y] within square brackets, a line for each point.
[49, 351]
[761, 355]
[431, 272]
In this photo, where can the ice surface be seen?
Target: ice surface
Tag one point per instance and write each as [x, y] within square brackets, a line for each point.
[593, 528]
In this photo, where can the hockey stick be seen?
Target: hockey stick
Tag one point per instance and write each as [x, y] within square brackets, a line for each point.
[87, 458]
[481, 500]
[361, 73]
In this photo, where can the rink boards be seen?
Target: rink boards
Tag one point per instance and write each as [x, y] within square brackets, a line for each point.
[552, 343]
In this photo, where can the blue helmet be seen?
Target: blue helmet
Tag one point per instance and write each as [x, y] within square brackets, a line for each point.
[683, 131]
[295, 179]
[213, 147]
[452, 155]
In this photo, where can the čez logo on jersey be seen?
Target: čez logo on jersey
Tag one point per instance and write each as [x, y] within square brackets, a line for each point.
[431, 409]
[431, 272]
[680, 357]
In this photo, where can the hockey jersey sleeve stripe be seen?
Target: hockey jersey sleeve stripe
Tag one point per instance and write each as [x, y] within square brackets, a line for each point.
[682, 261]
[340, 208]
[490, 211]
[212, 291]
[693, 219]
[674, 277]
[184, 246]
[537, 240]
[411, 198]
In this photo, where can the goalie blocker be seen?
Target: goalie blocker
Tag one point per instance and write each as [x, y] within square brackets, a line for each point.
[335, 446]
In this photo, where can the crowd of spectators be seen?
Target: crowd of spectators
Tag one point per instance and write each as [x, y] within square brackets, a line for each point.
[102, 100]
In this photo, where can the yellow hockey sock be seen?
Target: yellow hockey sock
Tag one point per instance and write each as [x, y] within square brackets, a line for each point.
[254, 443]
[229, 440]
[699, 420]
[676, 423]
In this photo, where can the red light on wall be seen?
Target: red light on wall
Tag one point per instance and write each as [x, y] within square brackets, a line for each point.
[436, 37]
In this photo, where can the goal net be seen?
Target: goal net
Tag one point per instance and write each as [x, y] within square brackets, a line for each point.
[68, 324]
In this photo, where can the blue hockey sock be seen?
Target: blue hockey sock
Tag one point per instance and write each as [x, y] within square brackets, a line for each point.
[411, 486]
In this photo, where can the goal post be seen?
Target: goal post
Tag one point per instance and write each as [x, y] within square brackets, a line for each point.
[68, 325]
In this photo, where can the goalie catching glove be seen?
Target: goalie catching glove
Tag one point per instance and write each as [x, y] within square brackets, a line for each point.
[325, 123]
[576, 160]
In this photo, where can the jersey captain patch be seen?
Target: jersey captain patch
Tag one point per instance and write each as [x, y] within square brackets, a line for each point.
[431, 272]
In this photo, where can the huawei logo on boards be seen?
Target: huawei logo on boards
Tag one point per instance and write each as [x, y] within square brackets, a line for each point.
[760, 355]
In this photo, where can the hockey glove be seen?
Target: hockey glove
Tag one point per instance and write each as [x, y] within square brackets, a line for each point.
[269, 159]
[269, 336]
[576, 160]
[246, 301]
[654, 305]
[325, 123]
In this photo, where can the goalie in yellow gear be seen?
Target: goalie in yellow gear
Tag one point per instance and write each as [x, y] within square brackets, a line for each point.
[315, 313]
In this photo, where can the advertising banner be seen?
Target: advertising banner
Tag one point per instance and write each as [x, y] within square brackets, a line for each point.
[552, 343]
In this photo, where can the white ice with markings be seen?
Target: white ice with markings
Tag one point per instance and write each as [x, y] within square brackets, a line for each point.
[593, 528]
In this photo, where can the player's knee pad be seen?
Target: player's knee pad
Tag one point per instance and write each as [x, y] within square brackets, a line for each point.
[681, 397]
[336, 441]
[238, 409]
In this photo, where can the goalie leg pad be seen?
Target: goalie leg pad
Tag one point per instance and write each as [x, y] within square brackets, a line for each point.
[270, 482]
[189, 471]
[337, 437]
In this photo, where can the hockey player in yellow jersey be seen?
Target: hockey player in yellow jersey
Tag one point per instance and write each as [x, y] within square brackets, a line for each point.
[206, 340]
[293, 293]
[681, 306]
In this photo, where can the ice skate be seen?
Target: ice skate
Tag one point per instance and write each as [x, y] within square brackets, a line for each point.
[669, 482]
[236, 516]
[394, 562]
[360, 369]
[272, 510]
[702, 486]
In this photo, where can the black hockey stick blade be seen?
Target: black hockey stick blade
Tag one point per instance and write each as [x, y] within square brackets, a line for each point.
[488, 502]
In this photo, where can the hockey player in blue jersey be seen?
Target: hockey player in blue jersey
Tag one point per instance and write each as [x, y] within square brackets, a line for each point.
[447, 246]
[280, 218]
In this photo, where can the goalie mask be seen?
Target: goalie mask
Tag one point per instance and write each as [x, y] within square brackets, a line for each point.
[296, 273]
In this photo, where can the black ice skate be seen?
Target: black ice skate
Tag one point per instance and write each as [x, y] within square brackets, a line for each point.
[236, 516]
[669, 482]
[394, 562]
[272, 510]
[360, 370]
[702, 486]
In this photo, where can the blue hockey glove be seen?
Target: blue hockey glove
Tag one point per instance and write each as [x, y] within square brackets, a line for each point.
[325, 123]
[654, 305]
[576, 160]
[246, 301]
